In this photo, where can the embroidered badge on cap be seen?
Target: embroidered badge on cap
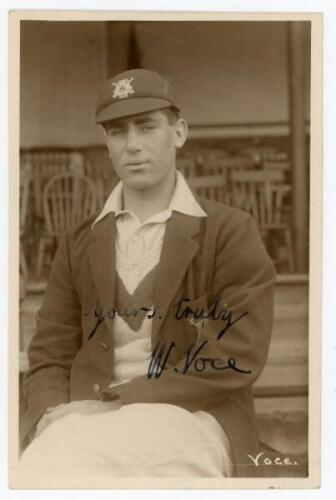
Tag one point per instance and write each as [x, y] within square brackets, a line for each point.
[123, 88]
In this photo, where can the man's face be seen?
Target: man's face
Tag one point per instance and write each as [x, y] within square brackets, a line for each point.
[143, 148]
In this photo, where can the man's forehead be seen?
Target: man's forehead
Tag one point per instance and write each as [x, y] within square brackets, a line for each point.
[137, 118]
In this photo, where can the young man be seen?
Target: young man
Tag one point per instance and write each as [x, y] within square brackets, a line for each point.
[157, 317]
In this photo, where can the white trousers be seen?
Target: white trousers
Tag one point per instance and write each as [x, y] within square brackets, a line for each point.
[137, 440]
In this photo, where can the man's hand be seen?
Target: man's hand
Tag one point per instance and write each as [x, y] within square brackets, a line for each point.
[86, 407]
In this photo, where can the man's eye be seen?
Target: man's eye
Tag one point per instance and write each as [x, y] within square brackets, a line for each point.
[148, 127]
[115, 132]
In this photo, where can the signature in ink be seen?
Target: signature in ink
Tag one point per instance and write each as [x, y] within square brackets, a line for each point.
[123, 313]
[197, 316]
[201, 316]
[160, 357]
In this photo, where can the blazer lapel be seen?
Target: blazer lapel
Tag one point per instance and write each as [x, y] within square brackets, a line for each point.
[102, 263]
[178, 250]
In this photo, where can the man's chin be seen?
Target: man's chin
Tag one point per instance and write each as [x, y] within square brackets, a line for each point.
[143, 180]
[139, 184]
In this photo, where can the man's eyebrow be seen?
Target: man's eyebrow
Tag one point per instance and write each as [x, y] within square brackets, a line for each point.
[145, 119]
[115, 124]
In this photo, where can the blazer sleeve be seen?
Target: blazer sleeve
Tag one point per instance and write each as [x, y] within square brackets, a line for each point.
[243, 278]
[58, 338]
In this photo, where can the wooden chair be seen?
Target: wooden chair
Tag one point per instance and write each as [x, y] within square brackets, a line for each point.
[263, 193]
[210, 158]
[187, 166]
[98, 167]
[276, 164]
[46, 162]
[263, 152]
[215, 175]
[217, 165]
[213, 187]
[25, 180]
[68, 199]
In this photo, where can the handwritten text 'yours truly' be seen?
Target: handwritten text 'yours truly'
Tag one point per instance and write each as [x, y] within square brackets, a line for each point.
[182, 310]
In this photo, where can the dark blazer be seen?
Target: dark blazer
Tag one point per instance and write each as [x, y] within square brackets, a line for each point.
[222, 255]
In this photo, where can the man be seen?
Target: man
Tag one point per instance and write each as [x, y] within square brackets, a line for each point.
[157, 316]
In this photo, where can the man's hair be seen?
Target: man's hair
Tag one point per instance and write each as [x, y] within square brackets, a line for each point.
[171, 113]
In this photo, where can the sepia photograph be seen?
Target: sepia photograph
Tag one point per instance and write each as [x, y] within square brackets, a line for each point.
[163, 171]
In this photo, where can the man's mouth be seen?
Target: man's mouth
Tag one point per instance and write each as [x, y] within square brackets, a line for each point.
[135, 163]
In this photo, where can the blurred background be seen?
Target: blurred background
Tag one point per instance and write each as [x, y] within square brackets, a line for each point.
[244, 89]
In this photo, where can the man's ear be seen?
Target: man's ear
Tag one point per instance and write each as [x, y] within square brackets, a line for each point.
[181, 132]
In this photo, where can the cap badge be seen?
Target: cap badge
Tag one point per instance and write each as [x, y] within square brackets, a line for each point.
[123, 88]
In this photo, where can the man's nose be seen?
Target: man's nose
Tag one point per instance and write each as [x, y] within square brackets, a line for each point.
[133, 140]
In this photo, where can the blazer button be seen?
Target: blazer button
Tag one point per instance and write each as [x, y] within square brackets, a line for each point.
[104, 346]
[96, 388]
